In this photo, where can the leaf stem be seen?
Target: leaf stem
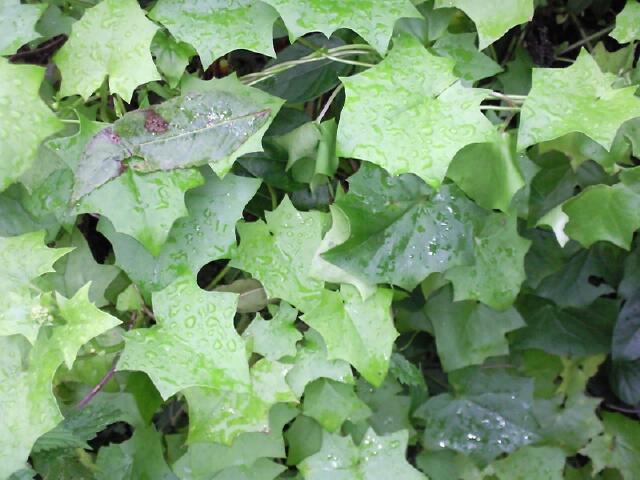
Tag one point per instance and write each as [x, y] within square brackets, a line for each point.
[274, 197]
[69, 120]
[330, 100]
[586, 40]
[499, 108]
[220, 275]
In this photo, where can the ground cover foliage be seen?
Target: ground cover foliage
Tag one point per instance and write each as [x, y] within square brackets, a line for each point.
[320, 239]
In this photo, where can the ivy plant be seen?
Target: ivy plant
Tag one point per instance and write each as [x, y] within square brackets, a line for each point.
[320, 239]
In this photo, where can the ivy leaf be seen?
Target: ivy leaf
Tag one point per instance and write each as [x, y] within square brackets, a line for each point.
[448, 113]
[139, 457]
[604, 212]
[243, 24]
[17, 24]
[312, 362]
[539, 463]
[27, 373]
[359, 332]
[467, 333]
[24, 258]
[279, 252]
[188, 347]
[489, 173]
[80, 267]
[625, 351]
[489, 415]
[171, 56]
[498, 272]
[491, 25]
[471, 64]
[147, 206]
[390, 407]
[401, 230]
[113, 40]
[27, 120]
[628, 23]
[275, 338]
[206, 234]
[205, 127]
[373, 21]
[375, 457]
[331, 403]
[221, 415]
[578, 98]
[618, 447]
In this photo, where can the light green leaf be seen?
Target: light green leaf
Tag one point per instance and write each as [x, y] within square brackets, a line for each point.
[618, 447]
[171, 56]
[498, 272]
[139, 457]
[80, 267]
[376, 457]
[359, 332]
[401, 230]
[24, 258]
[385, 103]
[193, 343]
[471, 64]
[206, 234]
[628, 23]
[489, 172]
[390, 407]
[111, 40]
[578, 98]
[262, 469]
[531, 463]
[604, 212]
[26, 121]
[311, 363]
[144, 206]
[275, 338]
[493, 18]
[279, 252]
[240, 24]
[17, 24]
[373, 21]
[331, 403]
[221, 415]
[467, 333]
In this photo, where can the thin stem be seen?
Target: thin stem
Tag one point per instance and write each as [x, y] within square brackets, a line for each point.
[330, 100]
[217, 278]
[68, 120]
[508, 97]
[94, 391]
[274, 197]
[499, 109]
[586, 39]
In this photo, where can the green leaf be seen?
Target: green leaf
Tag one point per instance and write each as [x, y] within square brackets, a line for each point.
[492, 18]
[278, 253]
[625, 351]
[498, 273]
[188, 347]
[607, 213]
[147, 204]
[24, 258]
[402, 230]
[628, 23]
[373, 21]
[95, 50]
[17, 24]
[447, 112]
[390, 407]
[275, 338]
[535, 463]
[27, 121]
[467, 333]
[489, 173]
[331, 403]
[139, 457]
[171, 57]
[206, 234]
[203, 127]
[375, 457]
[27, 373]
[359, 332]
[618, 447]
[242, 24]
[262, 469]
[489, 415]
[222, 414]
[471, 64]
[573, 99]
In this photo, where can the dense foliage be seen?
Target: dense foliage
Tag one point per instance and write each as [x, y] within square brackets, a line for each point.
[320, 239]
